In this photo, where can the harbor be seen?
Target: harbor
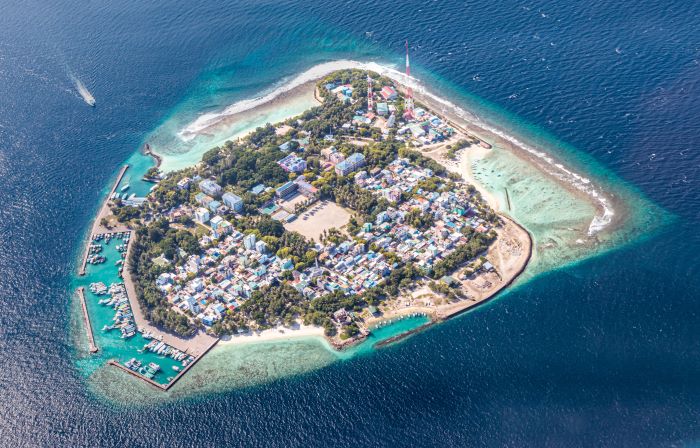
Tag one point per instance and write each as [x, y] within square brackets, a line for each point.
[113, 317]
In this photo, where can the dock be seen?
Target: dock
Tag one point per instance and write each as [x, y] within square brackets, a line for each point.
[183, 371]
[163, 387]
[86, 316]
[96, 226]
[158, 386]
[119, 179]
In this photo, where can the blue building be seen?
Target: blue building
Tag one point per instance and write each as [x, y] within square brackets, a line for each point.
[256, 190]
[286, 189]
[210, 187]
[233, 201]
[350, 164]
[249, 241]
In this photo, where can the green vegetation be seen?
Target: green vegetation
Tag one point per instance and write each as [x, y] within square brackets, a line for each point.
[151, 242]
[476, 245]
[240, 165]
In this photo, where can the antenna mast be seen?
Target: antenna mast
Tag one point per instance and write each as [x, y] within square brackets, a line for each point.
[408, 104]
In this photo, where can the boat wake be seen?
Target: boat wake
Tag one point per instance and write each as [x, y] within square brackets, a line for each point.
[83, 91]
[599, 222]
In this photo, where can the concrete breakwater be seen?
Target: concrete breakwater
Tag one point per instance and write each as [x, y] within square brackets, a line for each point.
[86, 316]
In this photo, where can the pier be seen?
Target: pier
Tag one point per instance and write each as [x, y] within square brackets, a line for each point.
[508, 199]
[183, 371]
[86, 316]
[97, 225]
[163, 387]
[158, 386]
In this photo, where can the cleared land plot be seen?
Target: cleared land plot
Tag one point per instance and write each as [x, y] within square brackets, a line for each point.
[319, 217]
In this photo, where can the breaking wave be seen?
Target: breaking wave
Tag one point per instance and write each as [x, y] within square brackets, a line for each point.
[553, 167]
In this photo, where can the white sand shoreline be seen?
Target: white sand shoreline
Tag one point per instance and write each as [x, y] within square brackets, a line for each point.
[547, 164]
[278, 333]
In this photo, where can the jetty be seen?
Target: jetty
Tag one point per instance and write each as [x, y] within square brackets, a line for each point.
[159, 386]
[97, 226]
[86, 316]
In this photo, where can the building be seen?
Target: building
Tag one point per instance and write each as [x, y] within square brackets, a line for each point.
[416, 130]
[214, 206]
[382, 109]
[249, 241]
[233, 202]
[350, 164]
[210, 187]
[292, 164]
[261, 246]
[184, 183]
[215, 222]
[256, 190]
[388, 93]
[286, 189]
[201, 215]
[305, 188]
[203, 199]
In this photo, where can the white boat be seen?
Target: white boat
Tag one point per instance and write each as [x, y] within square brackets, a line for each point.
[84, 92]
[124, 188]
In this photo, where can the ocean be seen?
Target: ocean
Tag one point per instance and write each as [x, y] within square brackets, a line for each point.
[601, 350]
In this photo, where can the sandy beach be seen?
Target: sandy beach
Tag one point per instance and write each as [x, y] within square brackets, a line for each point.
[217, 124]
[610, 211]
[279, 333]
[514, 247]
[509, 255]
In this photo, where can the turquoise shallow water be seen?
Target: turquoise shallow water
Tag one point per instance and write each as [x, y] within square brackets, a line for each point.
[557, 219]
[602, 352]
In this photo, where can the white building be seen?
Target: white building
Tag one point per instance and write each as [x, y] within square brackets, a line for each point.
[201, 215]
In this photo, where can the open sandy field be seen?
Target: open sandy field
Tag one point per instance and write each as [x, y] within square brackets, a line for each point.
[320, 216]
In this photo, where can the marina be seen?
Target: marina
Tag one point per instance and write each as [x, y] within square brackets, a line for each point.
[97, 226]
[129, 341]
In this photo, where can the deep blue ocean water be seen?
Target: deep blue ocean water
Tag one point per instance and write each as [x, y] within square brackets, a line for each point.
[603, 353]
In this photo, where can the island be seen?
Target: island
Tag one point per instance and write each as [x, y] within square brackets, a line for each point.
[331, 223]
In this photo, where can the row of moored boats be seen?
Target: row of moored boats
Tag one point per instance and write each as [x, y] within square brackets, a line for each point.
[123, 316]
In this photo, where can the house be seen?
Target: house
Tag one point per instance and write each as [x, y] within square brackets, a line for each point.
[210, 187]
[342, 317]
[382, 109]
[388, 93]
[416, 130]
[233, 202]
[347, 166]
[305, 188]
[391, 121]
[201, 215]
[184, 183]
[203, 199]
[215, 221]
[256, 190]
[214, 206]
[292, 164]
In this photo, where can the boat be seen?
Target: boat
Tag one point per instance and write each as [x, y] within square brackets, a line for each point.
[83, 91]
[176, 368]
[124, 188]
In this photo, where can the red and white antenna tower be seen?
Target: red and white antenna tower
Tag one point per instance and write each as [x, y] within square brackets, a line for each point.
[370, 98]
[408, 104]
